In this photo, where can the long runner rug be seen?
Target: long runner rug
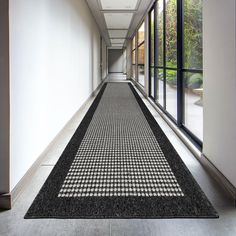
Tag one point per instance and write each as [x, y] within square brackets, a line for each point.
[120, 164]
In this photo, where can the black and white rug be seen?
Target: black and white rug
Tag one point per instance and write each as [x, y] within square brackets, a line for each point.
[120, 164]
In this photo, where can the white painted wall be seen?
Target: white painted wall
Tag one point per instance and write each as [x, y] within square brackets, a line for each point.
[220, 85]
[55, 66]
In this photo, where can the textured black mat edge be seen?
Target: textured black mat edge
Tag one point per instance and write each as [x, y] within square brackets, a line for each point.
[67, 157]
[47, 205]
[168, 148]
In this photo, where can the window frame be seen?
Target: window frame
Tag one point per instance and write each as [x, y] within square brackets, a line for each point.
[179, 69]
[134, 51]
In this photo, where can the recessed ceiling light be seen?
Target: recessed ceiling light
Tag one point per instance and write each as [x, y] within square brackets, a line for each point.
[118, 33]
[119, 4]
[118, 20]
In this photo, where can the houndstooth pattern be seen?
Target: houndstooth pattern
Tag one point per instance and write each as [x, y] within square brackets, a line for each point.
[119, 154]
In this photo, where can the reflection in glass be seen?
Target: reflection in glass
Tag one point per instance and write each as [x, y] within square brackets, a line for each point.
[133, 57]
[141, 74]
[134, 43]
[193, 97]
[152, 81]
[141, 34]
[141, 54]
[141, 57]
[160, 87]
[133, 71]
[171, 92]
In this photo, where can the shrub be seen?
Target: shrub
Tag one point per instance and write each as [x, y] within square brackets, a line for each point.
[195, 81]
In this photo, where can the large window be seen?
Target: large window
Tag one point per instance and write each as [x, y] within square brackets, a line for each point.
[141, 54]
[152, 51]
[175, 61]
[192, 60]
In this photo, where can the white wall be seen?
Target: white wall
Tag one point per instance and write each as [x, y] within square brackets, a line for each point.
[220, 85]
[4, 97]
[55, 66]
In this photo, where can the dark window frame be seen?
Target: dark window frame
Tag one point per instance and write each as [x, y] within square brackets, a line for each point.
[180, 68]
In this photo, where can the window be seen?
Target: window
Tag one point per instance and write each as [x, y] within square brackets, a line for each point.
[175, 62]
[134, 58]
[152, 52]
[160, 80]
[192, 60]
[141, 54]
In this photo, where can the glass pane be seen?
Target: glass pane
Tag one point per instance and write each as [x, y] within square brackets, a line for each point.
[141, 54]
[141, 74]
[193, 34]
[133, 71]
[160, 32]
[133, 57]
[152, 82]
[141, 34]
[134, 43]
[171, 33]
[171, 92]
[194, 103]
[160, 87]
[152, 38]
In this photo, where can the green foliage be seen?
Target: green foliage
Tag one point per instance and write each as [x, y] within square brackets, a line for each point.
[195, 81]
[192, 34]
[171, 77]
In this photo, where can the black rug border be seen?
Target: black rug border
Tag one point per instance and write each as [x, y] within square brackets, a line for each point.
[48, 205]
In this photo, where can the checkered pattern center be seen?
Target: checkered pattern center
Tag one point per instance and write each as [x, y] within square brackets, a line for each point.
[119, 154]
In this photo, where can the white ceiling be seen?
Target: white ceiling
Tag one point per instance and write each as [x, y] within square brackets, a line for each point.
[118, 19]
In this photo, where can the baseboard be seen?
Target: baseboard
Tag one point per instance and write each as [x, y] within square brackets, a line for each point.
[5, 201]
[8, 200]
[219, 177]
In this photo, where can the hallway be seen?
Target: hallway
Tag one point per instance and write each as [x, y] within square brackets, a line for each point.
[12, 222]
[117, 117]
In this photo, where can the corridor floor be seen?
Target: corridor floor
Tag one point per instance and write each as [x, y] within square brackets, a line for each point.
[12, 222]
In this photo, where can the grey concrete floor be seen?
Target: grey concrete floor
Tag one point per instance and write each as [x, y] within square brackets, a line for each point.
[13, 223]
